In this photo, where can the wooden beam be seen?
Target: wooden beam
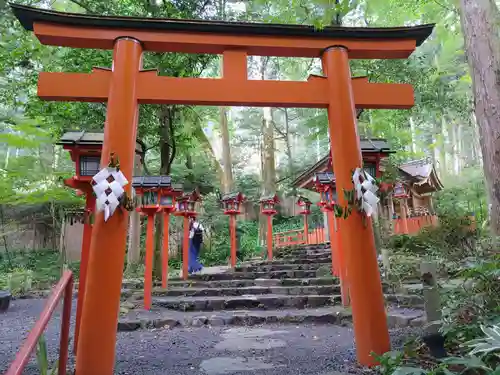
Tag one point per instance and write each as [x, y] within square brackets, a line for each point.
[153, 89]
[211, 43]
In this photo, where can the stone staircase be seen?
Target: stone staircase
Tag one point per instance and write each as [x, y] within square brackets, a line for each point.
[292, 288]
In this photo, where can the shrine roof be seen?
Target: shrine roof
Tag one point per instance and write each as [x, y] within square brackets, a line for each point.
[151, 181]
[231, 196]
[422, 174]
[368, 146]
[29, 15]
[85, 138]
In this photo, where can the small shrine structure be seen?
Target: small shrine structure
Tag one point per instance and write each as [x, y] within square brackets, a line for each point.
[418, 177]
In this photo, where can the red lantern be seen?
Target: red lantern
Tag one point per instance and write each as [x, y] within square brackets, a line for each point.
[305, 205]
[325, 186]
[232, 203]
[267, 205]
[85, 150]
[400, 191]
[186, 204]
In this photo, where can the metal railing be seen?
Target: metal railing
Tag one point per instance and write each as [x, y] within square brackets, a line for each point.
[64, 288]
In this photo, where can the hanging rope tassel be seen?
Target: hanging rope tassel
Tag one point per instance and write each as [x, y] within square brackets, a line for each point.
[366, 188]
[108, 186]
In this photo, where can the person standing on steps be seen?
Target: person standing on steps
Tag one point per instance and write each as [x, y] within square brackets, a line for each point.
[195, 241]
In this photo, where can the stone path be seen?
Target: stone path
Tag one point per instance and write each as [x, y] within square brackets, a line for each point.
[271, 349]
[231, 323]
[290, 289]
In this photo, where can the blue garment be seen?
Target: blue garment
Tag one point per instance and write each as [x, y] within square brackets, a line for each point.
[194, 252]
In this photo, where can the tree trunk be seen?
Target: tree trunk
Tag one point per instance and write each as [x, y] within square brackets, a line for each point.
[413, 136]
[167, 156]
[289, 156]
[482, 44]
[226, 151]
[209, 152]
[134, 243]
[446, 145]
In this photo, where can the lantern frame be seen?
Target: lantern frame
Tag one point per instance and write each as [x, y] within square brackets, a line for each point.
[86, 148]
[324, 183]
[305, 205]
[232, 203]
[153, 190]
[268, 204]
[186, 204]
[400, 191]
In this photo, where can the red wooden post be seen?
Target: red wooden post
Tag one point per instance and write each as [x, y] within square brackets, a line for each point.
[65, 326]
[185, 249]
[344, 284]
[331, 231]
[164, 268]
[148, 271]
[232, 230]
[404, 218]
[269, 237]
[306, 230]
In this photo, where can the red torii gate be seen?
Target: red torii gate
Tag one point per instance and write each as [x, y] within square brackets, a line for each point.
[126, 85]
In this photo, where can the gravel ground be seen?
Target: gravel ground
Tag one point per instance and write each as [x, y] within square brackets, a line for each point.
[267, 350]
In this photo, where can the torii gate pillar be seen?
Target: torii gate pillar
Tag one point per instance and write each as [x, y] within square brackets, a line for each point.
[109, 240]
[367, 299]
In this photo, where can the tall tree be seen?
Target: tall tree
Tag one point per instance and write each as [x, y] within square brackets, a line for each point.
[480, 22]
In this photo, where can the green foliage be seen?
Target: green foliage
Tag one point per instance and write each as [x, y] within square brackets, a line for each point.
[406, 363]
[33, 270]
[476, 302]
[488, 344]
[452, 239]
[464, 195]
[219, 251]
[42, 358]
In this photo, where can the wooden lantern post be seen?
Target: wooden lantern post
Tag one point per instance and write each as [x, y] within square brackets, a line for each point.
[148, 189]
[325, 186]
[186, 207]
[267, 207]
[126, 85]
[401, 193]
[305, 210]
[168, 195]
[231, 203]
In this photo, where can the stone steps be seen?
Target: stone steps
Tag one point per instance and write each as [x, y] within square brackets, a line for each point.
[245, 291]
[241, 283]
[257, 302]
[312, 256]
[290, 261]
[280, 267]
[285, 290]
[288, 274]
[161, 318]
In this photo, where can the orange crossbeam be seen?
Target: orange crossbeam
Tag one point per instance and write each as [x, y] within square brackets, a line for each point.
[212, 43]
[153, 89]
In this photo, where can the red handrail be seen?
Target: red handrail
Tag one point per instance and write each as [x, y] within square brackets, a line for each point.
[63, 287]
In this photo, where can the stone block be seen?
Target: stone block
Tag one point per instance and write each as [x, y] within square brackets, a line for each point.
[395, 320]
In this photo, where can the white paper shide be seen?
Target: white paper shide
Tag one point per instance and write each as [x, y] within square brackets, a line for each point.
[108, 187]
[366, 189]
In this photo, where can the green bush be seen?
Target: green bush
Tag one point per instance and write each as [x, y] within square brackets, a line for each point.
[451, 239]
[475, 302]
